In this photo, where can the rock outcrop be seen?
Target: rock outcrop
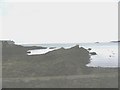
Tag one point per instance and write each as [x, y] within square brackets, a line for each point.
[57, 62]
[34, 47]
[93, 53]
[10, 49]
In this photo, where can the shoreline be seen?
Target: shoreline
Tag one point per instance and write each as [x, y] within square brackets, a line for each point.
[58, 68]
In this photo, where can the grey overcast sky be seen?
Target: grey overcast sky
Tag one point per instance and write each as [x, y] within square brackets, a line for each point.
[60, 22]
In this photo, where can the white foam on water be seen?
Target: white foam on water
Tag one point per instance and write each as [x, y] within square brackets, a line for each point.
[39, 51]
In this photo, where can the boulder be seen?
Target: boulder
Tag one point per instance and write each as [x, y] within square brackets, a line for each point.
[93, 53]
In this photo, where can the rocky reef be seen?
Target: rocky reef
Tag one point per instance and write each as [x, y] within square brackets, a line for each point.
[61, 68]
[57, 62]
[34, 47]
[10, 49]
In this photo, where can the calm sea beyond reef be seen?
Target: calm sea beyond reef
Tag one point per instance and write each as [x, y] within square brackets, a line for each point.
[107, 53]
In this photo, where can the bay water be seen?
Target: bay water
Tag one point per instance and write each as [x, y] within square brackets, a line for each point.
[107, 53]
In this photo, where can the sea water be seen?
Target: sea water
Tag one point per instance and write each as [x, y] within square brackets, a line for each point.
[107, 53]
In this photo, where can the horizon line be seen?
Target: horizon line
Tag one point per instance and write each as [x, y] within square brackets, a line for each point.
[58, 42]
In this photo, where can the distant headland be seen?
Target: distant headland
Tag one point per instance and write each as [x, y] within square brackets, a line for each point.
[115, 41]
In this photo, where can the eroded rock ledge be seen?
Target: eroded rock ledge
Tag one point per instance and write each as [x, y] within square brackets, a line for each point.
[57, 62]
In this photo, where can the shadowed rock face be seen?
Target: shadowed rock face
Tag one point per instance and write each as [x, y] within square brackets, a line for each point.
[34, 47]
[72, 55]
[68, 61]
[93, 53]
[58, 62]
[9, 49]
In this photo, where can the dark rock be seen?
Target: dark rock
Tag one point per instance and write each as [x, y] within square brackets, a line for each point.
[28, 52]
[10, 49]
[57, 62]
[115, 41]
[89, 49]
[110, 56]
[75, 47]
[93, 53]
[34, 47]
[97, 42]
